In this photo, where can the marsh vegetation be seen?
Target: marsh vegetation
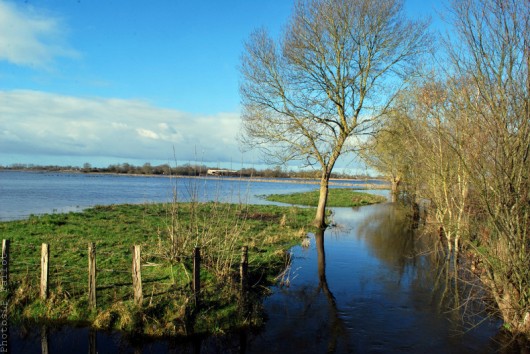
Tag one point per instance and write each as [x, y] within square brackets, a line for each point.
[168, 233]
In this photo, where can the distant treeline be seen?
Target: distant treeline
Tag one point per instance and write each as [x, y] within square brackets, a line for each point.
[184, 170]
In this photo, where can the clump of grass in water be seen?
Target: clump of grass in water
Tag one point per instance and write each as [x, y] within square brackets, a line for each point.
[337, 197]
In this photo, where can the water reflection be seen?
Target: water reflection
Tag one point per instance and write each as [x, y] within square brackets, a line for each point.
[395, 240]
[374, 292]
[337, 327]
[390, 237]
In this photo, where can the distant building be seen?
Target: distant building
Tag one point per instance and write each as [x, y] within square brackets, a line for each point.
[222, 173]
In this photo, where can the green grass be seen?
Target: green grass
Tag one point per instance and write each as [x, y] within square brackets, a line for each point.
[167, 233]
[337, 197]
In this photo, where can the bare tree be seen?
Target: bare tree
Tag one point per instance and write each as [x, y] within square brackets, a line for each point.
[417, 144]
[313, 94]
[391, 152]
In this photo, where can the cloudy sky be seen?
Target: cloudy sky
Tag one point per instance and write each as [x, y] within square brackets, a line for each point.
[110, 81]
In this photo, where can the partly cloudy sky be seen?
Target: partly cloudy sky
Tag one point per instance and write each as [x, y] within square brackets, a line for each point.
[126, 80]
[29, 38]
[57, 125]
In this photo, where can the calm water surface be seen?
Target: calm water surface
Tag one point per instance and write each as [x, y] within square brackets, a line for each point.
[359, 288]
[25, 193]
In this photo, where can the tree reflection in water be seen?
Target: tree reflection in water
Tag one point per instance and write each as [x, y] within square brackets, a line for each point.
[414, 254]
[390, 237]
[376, 290]
[337, 328]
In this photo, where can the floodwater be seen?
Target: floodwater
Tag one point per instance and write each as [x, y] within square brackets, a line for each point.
[25, 193]
[362, 286]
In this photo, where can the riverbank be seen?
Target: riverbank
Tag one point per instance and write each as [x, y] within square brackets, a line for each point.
[167, 235]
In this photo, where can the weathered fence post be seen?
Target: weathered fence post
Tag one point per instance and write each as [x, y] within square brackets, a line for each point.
[137, 276]
[44, 270]
[243, 268]
[92, 275]
[243, 273]
[196, 274]
[5, 265]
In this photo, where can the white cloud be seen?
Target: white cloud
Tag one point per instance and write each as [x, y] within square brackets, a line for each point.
[28, 38]
[37, 123]
[146, 133]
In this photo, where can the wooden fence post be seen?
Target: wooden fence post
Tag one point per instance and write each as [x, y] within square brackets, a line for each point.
[244, 307]
[5, 265]
[92, 275]
[44, 270]
[137, 276]
[196, 274]
[243, 268]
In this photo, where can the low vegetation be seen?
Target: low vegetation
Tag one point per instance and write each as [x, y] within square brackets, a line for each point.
[167, 233]
[337, 197]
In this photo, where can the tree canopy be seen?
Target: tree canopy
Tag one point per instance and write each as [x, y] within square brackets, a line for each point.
[311, 94]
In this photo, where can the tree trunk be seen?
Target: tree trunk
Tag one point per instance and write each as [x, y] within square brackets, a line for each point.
[395, 191]
[320, 218]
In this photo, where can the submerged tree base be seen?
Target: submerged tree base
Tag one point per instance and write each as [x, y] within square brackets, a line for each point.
[167, 234]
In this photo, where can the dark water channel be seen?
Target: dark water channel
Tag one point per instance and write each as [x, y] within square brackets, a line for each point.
[362, 287]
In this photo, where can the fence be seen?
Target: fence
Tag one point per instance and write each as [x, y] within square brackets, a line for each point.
[49, 267]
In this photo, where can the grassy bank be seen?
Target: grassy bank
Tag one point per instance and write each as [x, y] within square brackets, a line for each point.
[167, 234]
[337, 197]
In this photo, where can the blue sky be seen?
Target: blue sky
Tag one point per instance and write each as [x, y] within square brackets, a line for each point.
[108, 81]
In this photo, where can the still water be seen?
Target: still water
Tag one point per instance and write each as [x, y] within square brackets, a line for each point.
[362, 286]
[25, 193]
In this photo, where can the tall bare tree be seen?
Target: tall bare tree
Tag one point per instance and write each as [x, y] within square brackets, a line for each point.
[311, 95]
